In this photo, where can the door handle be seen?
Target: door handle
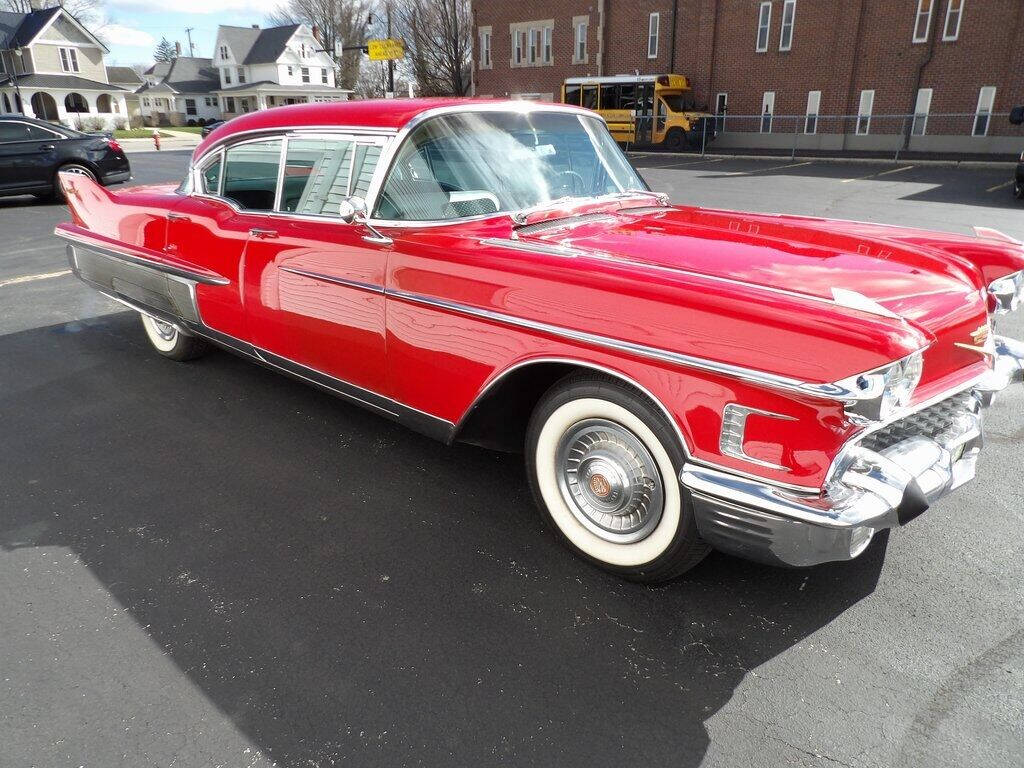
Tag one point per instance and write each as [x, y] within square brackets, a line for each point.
[177, 217]
[47, 148]
[263, 234]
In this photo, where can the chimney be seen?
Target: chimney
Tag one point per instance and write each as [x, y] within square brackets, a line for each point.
[255, 26]
[316, 34]
[177, 48]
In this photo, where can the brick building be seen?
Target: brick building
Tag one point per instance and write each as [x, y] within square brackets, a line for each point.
[795, 59]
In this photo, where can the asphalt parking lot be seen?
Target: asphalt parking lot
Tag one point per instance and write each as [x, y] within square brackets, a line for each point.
[213, 565]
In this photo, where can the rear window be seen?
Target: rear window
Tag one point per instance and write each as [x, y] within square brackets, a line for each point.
[250, 174]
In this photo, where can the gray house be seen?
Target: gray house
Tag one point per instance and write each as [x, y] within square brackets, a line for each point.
[180, 91]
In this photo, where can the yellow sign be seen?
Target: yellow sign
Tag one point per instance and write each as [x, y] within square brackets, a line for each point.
[383, 50]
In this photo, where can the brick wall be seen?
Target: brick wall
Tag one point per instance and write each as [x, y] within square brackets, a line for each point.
[839, 47]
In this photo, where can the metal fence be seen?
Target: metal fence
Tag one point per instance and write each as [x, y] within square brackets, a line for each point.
[945, 133]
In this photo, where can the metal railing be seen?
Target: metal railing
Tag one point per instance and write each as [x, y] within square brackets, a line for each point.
[941, 133]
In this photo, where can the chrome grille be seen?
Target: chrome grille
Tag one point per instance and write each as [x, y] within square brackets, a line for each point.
[941, 422]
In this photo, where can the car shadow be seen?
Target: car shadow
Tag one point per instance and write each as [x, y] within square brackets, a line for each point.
[342, 588]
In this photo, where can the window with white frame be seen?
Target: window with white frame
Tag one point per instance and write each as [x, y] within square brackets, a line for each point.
[923, 20]
[813, 106]
[224, 53]
[517, 48]
[547, 45]
[652, 35]
[788, 19]
[305, 74]
[323, 76]
[867, 103]
[291, 71]
[485, 47]
[227, 76]
[954, 12]
[767, 111]
[68, 60]
[532, 47]
[986, 98]
[241, 74]
[580, 25]
[532, 43]
[922, 106]
[764, 26]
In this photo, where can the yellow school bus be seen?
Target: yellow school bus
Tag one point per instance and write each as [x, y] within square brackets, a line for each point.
[644, 109]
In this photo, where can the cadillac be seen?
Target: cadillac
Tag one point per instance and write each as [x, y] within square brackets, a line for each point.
[679, 378]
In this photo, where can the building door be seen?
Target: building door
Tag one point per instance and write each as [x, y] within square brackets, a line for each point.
[44, 106]
[721, 108]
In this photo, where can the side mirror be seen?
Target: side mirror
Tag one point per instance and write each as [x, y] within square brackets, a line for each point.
[352, 208]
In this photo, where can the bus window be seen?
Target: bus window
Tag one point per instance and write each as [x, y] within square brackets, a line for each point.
[679, 102]
[590, 96]
[627, 97]
[572, 94]
[645, 99]
[609, 97]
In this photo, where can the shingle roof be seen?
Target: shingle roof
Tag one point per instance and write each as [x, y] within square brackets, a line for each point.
[18, 29]
[257, 46]
[185, 74]
[123, 75]
[160, 69]
[70, 82]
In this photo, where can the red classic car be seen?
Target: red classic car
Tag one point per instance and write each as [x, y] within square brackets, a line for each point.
[679, 378]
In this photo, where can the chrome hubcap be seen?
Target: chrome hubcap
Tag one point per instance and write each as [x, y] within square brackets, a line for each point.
[164, 330]
[77, 170]
[610, 481]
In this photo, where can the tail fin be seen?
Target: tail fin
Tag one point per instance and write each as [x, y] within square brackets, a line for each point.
[90, 202]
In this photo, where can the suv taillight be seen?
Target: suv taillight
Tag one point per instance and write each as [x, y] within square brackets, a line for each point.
[114, 145]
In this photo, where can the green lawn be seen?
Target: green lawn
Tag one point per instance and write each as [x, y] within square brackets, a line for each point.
[187, 128]
[138, 133]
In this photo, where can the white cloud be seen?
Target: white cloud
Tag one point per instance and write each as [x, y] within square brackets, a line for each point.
[118, 34]
[203, 6]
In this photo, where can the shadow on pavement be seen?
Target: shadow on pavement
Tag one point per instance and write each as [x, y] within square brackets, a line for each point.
[342, 588]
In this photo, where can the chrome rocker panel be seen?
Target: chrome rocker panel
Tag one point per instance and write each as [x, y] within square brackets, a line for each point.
[883, 479]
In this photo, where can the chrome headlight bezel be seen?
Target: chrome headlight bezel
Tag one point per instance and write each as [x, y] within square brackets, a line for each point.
[1008, 292]
[879, 394]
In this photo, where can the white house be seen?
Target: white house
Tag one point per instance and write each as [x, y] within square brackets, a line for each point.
[53, 68]
[261, 68]
[180, 92]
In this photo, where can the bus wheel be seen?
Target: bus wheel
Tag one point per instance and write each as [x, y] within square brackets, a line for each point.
[675, 140]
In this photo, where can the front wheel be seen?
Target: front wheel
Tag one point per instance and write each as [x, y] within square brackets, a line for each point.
[676, 141]
[170, 342]
[603, 465]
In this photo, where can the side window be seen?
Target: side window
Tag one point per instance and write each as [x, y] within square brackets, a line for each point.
[316, 175]
[250, 174]
[35, 133]
[12, 132]
[210, 177]
[367, 156]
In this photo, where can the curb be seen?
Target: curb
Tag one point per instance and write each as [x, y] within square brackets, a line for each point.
[842, 160]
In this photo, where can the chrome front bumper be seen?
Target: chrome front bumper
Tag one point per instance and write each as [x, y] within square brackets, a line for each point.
[885, 478]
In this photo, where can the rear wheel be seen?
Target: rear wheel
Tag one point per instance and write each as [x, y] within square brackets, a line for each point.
[1018, 189]
[603, 465]
[675, 140]
[170, 342]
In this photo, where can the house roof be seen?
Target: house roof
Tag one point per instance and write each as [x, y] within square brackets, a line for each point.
[256, 46]
[269, 85]
[20, 29]
[185, 74]
[66, 82]
[123, 75]
[160, 69]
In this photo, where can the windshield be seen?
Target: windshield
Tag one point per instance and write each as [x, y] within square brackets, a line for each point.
[678, 102]
[476, 163]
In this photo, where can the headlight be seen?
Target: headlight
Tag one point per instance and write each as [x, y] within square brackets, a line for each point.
[1008, 293]
[878, 394]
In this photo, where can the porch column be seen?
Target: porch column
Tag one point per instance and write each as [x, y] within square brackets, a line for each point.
[261, 102]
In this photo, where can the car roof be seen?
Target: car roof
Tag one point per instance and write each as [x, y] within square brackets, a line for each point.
[382, 114]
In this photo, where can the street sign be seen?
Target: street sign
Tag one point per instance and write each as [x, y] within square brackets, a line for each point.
[384, 50]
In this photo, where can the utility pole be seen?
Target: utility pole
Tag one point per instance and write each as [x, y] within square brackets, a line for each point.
[391, 63]
[191, 45]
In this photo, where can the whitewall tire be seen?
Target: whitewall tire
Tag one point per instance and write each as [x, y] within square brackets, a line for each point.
[603, 465]
[171, 342]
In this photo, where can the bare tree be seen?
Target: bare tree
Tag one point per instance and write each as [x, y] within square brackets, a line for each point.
[86, 11]
[437, 35]
[337, 21]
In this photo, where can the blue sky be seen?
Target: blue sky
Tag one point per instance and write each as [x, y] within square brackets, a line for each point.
[132, 28]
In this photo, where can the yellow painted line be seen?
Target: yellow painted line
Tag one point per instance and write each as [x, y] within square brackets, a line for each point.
[690, 162]
[1004, 185]
[764, 170]
[880, 173]
[33, 278]
[895, 170]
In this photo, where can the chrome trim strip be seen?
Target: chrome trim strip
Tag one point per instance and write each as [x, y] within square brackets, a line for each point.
[372, 288]
[676, 358]
[141, 261]
[330, 129]
[543, 248]
[734, 426]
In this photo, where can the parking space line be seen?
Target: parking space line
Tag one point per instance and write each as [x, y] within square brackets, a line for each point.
[1004, 185]
[763, 170]
[33, 278]
[688, 162]
[879, 173]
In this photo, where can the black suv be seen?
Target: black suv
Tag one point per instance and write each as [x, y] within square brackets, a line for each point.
[1017, 118]
[32, 151]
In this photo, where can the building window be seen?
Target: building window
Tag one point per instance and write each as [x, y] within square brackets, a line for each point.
[764, 24]
[227, 76]
[241, 75]
[229, 104]
[867, 102]
[954, 12]
[244, 103]
[145, 102]
[788, 17]
[986, 98]
[923, 20]
[721, 108]
[69, 60]
[921, 108]
[517, 47]
[652, 35]
[767, 111]
[190, 107]
[813, 106]
[532, 47]
[305, 74]
[224, 53]
[75, 102]
[547, 45]
[485, 47]
[579, 48]
[291, 71]
[323, 76]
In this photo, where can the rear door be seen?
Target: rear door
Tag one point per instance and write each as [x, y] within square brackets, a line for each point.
[28, 155]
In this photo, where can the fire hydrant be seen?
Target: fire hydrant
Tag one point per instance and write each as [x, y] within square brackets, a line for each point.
[156, 139]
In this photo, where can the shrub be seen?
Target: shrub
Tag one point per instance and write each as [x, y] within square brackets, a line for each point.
[93, 124]
[191, 122]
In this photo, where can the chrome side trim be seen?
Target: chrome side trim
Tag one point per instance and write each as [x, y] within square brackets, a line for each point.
[313, 129]
[370, 287]
[142, 262]
[543, 248]
[734, 427]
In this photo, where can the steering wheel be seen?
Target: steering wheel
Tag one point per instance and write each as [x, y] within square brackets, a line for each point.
[577, 182]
